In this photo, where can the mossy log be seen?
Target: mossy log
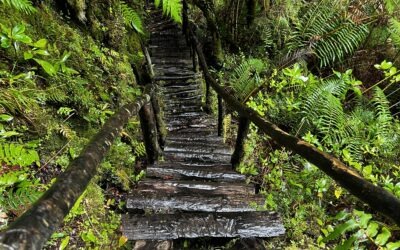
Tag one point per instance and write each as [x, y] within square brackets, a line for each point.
[32, 229]
[378, 198]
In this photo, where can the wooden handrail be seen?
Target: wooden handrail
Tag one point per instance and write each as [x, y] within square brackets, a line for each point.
[33, 228]
[378, 198]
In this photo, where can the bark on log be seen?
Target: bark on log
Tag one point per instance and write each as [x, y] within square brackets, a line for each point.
[378, 198]
[32, 229]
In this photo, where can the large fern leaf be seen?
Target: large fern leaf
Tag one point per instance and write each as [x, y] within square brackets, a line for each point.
[131, 17]
[172, 8]
[246, 78]
[328, 34]
[21, 5]
[395, 32]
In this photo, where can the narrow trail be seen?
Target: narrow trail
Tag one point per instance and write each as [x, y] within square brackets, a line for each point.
[194, 192]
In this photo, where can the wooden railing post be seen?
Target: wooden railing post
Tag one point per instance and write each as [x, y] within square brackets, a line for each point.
[221, 116]
[243, 130]
[207, 106]
[160, 125]
[149, 130]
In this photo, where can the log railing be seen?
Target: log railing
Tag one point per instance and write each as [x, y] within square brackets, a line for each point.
[378, 198]
[33, 228]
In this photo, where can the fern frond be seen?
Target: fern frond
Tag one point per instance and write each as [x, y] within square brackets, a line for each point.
[171, 8]
[246, 78]
[395, 31]
[383, 115]
[17, 155]
[327, 33]
[20, 5]
[131, 17]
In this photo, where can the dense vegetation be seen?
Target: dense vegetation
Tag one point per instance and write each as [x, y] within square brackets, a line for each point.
[325, 71]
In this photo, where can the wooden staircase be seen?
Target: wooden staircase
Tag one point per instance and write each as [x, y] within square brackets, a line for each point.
[194, 192]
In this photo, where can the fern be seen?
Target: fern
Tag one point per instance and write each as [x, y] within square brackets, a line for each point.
[382, 113]
[19, 198]
[329, 35]
[395, 32]
[131, 17]
[246, 78]
[20, 5]
[17, 155]
[172, 8]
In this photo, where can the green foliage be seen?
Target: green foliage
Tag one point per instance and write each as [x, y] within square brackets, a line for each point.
[172, 8]
[330, 36]
[18, 155]
[131, 18]
[246, 78]
[356, 230]
[17, 189]
[21, 5]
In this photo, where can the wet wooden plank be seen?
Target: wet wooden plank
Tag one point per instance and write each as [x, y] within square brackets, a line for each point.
[194, 172]
[193, 225]
[191, 202]
[188, 156]
[187, 187]
[198, 148]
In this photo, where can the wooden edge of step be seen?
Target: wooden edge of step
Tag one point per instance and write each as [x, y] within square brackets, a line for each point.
[194, 225]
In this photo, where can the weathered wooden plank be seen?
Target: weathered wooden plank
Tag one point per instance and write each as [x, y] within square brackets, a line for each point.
[187, 187]
[188, 156]
[193, 172]
[198, 148]
[194, 202]
[193, 225]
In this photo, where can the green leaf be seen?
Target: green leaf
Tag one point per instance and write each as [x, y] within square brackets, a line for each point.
[22, 38]
[48, 67]
[393, 245]
[28, 55]
[5, 118]
[65, 56]
[5, 42]
[41, 43]
[364, 218]
[7, 134]
[340, 229]
[64, 243]
[18, 29]
[41, 52]
[372, 229]
[383, 237]
[347, 243]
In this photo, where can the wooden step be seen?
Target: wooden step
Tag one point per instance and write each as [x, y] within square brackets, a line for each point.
[194, 202]
[187, 187]
[198, 148]
[195, 171]
[192, 157]
[194, 225]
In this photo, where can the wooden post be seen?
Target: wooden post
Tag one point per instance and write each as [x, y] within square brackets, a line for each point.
[207, 107]
[149, 130]
[194, 59]
[221, 116]
[243, 130]
[160, 125]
